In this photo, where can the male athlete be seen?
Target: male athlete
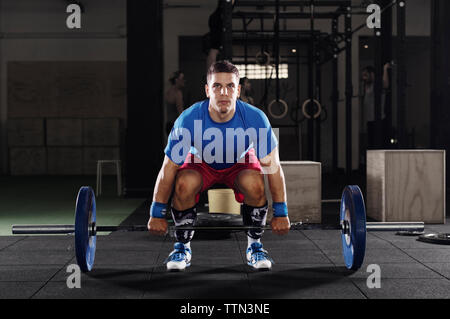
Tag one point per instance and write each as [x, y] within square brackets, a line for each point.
[220, 140]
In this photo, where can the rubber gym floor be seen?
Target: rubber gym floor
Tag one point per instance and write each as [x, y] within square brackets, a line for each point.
[308, 264]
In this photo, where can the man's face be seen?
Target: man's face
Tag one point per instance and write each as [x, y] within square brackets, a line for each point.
[223, 89]
[180, 80]
[367, 77]
[247, 86]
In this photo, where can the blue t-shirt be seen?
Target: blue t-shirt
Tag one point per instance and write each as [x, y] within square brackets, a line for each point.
[220, 145]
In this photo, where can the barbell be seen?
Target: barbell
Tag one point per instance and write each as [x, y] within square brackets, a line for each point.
[353, 227]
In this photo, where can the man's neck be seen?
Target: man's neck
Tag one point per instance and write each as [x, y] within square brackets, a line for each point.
[368, 85]
[219, 117]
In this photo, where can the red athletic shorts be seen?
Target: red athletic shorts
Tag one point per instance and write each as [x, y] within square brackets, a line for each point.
[224, 176]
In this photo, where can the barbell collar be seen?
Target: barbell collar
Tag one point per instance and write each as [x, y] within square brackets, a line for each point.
[395, 226]
[42, 229]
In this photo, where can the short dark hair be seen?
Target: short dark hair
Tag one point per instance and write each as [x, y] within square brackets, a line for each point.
[242, 80]
[369, 69]
[174, 76]
[222, 67]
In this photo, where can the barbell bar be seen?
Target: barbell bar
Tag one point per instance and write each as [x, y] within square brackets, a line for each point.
[70, 229]
[370, 226]
[353, 227]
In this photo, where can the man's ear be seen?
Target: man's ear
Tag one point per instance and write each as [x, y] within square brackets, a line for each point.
[207, 90]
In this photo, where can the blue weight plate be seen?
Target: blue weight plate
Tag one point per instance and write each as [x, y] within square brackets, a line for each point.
[353, 212]
[85, 216]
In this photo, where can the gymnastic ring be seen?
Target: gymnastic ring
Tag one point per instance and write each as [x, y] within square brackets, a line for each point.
[269, 108]
[259, 56]
[319, 109]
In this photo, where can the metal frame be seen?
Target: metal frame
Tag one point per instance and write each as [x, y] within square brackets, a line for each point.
[335, 31]
[401, 75]
[348, 91]
[283, 15]
[386, 40]
[267, 3]
[378, 85]
[343, 8]
[227, 38]
[312, 47]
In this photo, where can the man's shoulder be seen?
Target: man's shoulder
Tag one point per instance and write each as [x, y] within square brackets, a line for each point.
[247, 107]
[194, 111]
[252, 112]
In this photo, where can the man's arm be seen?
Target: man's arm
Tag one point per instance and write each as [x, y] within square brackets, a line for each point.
[164, 181]
[386, 83]
[179, 102]
[272, 168]
[163, 189]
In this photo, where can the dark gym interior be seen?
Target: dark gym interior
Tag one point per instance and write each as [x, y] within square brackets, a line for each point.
[356, 91]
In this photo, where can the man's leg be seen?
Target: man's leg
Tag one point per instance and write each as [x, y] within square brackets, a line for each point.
[251, 184]
[211, 58]
[187, 184]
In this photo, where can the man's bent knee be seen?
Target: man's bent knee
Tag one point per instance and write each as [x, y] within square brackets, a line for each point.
[251, 184]
[187, 184]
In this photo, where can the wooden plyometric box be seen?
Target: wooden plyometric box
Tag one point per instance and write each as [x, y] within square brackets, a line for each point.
[29, 88]
[101, 132]
[64, 132]
[65, 160]
[406, 185]
[304, 191]
[28, 161]
[26, 132]
[68, 89]
[223, 201]
[81, 88]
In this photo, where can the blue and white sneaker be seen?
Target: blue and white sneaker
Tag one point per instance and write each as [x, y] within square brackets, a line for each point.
[179, 258]
[258, 258]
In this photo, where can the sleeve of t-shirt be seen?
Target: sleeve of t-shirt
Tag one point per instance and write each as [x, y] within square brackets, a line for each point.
[179, 141]
[267, 140]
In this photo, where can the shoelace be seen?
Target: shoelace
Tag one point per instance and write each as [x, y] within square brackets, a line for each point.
[178, 255]
[261, 254]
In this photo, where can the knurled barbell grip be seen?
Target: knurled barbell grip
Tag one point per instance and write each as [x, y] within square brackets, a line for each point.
[225, 228]
[218, 228]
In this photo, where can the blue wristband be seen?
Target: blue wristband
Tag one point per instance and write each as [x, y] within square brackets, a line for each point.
[280, 209]
[158, 210]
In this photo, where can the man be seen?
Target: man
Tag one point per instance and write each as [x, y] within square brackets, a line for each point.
[246, 89]
[241, 146]
[213, 39]
[367, 122]
[174, 98]
[368, 102]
